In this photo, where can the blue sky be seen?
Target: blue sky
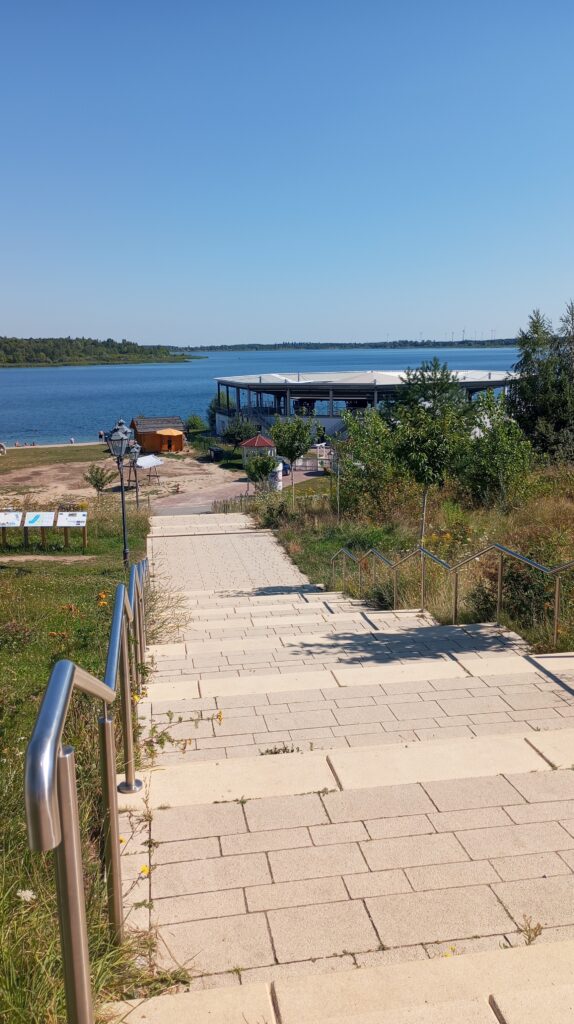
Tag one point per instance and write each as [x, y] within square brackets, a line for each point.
[240, 170]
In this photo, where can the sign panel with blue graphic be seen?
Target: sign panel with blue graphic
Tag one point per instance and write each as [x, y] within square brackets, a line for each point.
[39, 519]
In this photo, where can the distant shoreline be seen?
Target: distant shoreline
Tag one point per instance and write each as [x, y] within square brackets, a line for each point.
[293, 346]
[184, 358]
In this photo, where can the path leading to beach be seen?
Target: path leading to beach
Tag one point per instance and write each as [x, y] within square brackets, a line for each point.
[351, 814]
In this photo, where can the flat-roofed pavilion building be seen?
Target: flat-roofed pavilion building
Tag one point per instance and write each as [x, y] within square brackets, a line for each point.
[325, 396]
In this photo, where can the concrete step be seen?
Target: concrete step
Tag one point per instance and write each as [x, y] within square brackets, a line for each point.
[251, 778]
[506, 986]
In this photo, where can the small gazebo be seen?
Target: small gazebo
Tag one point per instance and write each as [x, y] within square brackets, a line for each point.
[258, 445]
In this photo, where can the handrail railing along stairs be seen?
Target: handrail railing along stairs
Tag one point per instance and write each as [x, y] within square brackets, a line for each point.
[503, 552]
[50, 784]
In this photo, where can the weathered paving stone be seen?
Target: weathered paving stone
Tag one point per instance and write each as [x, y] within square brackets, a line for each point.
[510, 840]
[295, 894]
[533, 786]
[321, 930]
[216, 944]
[549, 901]
[187, 877]
[172, 910]
[382, 802]
[531, 865]
[447, 876]
[464, 794]
[390, 828]
[412, 850]
[255, 842]
[285, 811]
[316, 862]
[377, 883]
[437, 916]
[197, 822]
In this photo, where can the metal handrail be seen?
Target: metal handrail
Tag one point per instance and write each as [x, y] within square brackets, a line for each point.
[555, 571]
[345, 553]
[50, 789]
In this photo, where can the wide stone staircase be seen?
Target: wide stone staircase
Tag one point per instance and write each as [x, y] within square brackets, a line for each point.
[348, 814]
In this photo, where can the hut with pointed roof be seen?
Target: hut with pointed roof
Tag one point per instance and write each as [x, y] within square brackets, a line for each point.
[258, 445]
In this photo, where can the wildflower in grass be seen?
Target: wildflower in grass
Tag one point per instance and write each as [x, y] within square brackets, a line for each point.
[102, 595]
[26, 895]
[102, 604]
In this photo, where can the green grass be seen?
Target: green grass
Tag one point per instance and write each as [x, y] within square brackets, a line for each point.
[50, 610]
[33, 458]
[540, 526]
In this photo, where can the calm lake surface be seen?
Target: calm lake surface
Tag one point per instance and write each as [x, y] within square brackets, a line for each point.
[52, 404]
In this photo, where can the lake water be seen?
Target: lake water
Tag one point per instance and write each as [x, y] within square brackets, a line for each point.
[52, 404]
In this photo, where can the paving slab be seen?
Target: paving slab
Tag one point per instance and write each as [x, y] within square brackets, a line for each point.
[551, 1004]
[327, 929]
[220, 944]
[438, 981]
[220, 1006]
[181, 785]
[267, 683]
[557, 747]
[422, 762]
[549, 901]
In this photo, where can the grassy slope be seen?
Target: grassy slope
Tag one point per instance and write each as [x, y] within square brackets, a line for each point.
[541, 527]
[50, 610]
[32, 458]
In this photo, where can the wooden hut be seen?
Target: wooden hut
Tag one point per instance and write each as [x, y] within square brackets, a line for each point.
[258, 445]
[159, 433]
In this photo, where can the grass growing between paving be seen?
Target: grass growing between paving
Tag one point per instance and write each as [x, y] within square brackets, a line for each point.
[51, 610]
[540, 527]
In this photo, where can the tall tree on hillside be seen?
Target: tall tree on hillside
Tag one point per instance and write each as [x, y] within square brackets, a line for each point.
[430, 427]
[541, 399]
[293, 437]
[365, 458]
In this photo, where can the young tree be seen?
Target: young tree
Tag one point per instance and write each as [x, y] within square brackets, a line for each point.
[431, 424]
[365, 461]
[434, 387]
[541, 399]
[239, 429]
[99, 478]
[293, 437]
[258, 469]
[498, 458]
[194, 424]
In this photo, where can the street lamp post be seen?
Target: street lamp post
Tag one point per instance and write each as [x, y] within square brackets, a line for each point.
[118, 441]
[134, 454]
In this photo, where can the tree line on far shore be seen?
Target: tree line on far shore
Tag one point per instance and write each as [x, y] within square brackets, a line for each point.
[70, 351]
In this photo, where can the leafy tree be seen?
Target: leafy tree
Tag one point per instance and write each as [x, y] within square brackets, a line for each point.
[239, 429]
[365, 461]
[258, 469]
[98, 477]
[541, 399]
[498, 458]
[431, 423]
[293, 437]
[215, 405]
[194, 424]
[434, 387]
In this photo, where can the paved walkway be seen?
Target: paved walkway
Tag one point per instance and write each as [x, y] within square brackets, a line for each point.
[374, 791]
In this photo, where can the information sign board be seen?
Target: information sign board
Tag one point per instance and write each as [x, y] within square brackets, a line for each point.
[72, 518]
[10, 519]
[42, 519]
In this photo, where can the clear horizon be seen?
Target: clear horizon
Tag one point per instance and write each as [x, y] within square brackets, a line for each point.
[250, 173]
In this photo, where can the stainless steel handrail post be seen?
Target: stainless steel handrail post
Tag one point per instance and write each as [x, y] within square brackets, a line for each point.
[423, 580]
[454, 598]
[360, 579]
[395, 588]
[130, 784]
[71, 899]
[556, 610]
[499, 586]
[111, 825]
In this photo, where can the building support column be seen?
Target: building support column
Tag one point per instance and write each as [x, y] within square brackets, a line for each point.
[288, 402]
[238, 400]
[331, 413]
